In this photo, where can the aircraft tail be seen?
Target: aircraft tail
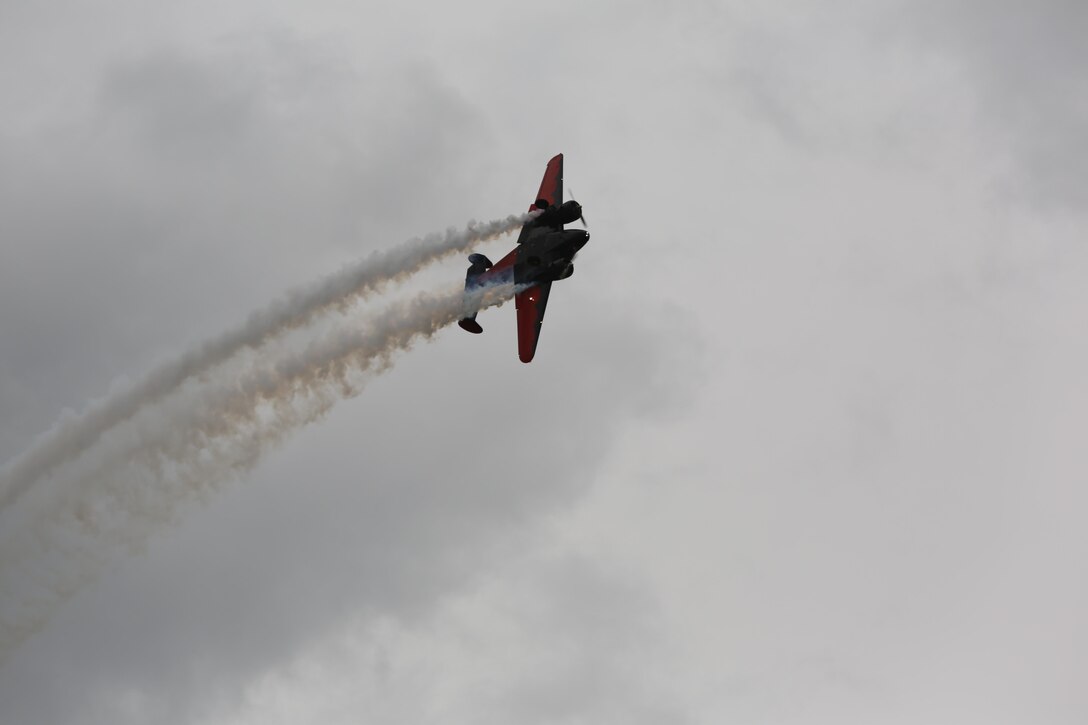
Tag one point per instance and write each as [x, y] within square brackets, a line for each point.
[480, 264]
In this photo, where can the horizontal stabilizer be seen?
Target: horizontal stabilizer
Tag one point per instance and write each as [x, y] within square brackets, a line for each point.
[480, 264]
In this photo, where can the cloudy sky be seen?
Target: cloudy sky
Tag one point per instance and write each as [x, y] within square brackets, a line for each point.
[803, 441]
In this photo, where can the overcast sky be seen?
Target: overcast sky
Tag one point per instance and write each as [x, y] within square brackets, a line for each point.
[803, 440]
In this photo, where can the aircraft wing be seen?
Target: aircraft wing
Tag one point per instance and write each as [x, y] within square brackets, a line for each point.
[551, 187]
[550, 194]
[531, 303]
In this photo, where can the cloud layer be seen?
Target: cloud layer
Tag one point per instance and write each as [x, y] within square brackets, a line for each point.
[800, 444]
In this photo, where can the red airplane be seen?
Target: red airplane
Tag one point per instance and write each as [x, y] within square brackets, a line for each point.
[545, 253]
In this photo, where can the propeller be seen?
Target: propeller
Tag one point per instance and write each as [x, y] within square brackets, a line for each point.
[582, 216]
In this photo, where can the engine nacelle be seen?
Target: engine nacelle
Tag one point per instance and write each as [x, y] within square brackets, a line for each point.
[567, 271]
[570, 212]
[565, 213]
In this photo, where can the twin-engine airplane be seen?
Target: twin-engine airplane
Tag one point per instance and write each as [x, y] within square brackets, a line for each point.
[545, 253]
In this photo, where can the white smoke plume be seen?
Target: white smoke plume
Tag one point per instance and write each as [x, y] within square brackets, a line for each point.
[75, 433]
[139, 473]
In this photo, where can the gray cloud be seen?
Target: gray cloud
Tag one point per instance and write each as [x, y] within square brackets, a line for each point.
[807, 413]
[1026, 61]
[396, 528]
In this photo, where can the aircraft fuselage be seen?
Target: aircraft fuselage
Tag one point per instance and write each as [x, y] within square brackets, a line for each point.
[549, 256]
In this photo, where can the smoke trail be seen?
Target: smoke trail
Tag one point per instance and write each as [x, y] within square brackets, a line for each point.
[139, 474]
[74, 433]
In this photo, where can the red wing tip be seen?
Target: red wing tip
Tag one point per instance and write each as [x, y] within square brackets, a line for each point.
[526, 352]
[471, 326]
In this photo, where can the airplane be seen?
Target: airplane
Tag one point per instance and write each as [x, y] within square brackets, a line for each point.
[545, 253]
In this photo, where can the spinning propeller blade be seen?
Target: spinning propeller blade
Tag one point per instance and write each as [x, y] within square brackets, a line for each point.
[582, 216]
